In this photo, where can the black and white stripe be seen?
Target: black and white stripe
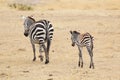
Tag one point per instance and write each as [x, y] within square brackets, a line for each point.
[40, 32]
[83, 40]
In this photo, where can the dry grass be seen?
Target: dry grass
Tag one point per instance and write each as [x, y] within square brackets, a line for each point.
[22, 7]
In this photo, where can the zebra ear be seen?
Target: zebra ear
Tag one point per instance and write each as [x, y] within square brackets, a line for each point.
[76, 32]
[71, 32]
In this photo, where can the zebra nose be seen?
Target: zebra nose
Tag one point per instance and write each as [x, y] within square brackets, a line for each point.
[26, 34]
[73, 44]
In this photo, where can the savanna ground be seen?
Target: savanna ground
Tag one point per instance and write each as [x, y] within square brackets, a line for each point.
[100, 18]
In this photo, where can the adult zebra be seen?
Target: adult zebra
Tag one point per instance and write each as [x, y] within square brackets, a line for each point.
[40, 32]
[83, 40]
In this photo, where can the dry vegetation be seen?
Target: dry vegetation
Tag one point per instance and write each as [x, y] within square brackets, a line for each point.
[100, 18]
[21, 7]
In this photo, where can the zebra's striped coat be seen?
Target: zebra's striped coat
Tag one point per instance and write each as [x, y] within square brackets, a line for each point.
[40, 32]
[83, 40]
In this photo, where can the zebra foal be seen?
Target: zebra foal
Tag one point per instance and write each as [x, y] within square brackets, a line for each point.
[83, 40]
[40, 32]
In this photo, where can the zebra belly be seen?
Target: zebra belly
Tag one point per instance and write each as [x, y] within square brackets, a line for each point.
[35, 41]
[38, 40]
[83, 45]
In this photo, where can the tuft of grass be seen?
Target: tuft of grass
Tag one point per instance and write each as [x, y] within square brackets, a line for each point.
[21, 7]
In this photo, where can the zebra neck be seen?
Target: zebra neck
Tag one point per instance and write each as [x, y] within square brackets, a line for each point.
[77, 43]
[31, 26]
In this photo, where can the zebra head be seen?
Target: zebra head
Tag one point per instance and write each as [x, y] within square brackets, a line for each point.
[74, 37]
[28, 21]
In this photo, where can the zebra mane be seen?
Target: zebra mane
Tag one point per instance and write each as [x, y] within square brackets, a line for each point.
[76, 32]
[31, 18]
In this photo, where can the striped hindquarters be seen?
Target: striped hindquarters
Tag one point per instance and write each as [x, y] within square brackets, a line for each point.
[50, 30]
[86, 40]
[41, 31]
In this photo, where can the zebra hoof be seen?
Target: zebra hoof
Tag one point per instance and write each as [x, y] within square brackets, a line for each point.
[41, 58]
[34, 58]
[46, 62]
[78, 64]
[82, 65]
[90, 66]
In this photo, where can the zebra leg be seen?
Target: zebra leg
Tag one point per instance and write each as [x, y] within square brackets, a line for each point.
[91, 57]
[46, 54]
[40, 51]
[33, 46]
[80, 58]
[48, 48]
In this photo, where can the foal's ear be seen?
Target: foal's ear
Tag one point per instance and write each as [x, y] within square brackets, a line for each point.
[71, 32]
[76, 32]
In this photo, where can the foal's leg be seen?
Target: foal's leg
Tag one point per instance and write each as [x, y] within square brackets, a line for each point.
[80, 58]
[33, 46]
[91, 56]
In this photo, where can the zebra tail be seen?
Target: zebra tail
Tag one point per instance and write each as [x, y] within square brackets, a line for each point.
[48, 40]
[48, 44]
[92, 38]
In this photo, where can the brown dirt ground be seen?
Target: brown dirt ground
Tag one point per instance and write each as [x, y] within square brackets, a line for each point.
[99, 18]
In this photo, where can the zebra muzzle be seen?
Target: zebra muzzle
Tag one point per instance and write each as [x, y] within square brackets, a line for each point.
[26, 34]
[73, 44]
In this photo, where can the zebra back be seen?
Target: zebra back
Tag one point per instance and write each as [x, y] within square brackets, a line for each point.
[48, 27]
[41, 30]
[82, 39]
[86, 39]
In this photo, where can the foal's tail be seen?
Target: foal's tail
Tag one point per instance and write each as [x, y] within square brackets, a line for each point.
[92, 38]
